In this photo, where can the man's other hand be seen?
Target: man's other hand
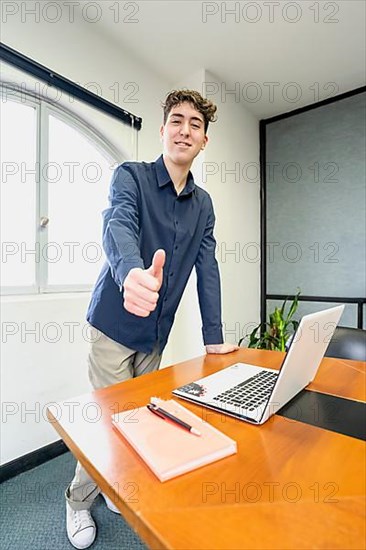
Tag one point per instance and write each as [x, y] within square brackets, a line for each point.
[141, 286]
[221, 348]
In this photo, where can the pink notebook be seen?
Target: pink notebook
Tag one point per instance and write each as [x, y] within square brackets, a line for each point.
[168, 449]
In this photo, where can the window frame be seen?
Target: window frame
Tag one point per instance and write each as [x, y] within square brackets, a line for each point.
[44, 108]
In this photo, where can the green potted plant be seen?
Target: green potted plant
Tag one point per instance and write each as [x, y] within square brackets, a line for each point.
[278, 329]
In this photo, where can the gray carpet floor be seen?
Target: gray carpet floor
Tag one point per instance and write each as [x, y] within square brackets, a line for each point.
[32, 512]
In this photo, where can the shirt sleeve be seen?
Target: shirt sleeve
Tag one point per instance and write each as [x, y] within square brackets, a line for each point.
[121, 226]
[208, 284]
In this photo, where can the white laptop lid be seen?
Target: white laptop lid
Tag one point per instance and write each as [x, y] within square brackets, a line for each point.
[304, 356]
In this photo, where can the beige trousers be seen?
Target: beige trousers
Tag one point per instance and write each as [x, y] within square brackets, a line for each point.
[109, 363]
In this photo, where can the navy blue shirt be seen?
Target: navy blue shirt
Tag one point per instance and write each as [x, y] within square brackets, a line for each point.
[145, 214]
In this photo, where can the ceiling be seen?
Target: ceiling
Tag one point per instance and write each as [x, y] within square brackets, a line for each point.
[276, 56]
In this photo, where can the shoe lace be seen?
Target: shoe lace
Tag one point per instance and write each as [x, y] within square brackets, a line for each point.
[82, 520]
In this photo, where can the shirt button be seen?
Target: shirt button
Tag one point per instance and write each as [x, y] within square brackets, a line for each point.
[171, 274]
[176, 247]
[165, 299]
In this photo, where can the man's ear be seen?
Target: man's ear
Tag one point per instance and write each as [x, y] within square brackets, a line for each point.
[161, 131]
[205, 141]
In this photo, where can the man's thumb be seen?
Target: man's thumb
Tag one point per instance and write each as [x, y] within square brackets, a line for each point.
[158, 262]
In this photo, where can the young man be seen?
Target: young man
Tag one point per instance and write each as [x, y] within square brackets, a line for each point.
[158, 227]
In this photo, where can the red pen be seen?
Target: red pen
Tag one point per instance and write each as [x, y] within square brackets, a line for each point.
[165, 415]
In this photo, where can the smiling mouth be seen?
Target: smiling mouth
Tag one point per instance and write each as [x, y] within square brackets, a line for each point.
[182, 143]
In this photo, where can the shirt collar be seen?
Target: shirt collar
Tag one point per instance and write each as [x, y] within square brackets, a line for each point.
[164, 178]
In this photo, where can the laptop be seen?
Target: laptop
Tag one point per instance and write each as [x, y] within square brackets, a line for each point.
[252, 393]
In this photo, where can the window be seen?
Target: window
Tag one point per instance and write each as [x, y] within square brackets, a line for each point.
[18, 193]
[56, 173]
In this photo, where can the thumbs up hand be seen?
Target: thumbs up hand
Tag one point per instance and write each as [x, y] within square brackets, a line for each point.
[141, 286]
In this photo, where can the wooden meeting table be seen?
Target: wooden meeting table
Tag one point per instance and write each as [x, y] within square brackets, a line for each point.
[291, 484]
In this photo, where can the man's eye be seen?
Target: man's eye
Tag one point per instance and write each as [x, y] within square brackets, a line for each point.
[196, 126]
[175, 121]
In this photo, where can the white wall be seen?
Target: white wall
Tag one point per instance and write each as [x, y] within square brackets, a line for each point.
[236, 195]
[43, 359]
[36, 373]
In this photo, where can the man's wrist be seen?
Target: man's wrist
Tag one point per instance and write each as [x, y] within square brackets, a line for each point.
[121, 285]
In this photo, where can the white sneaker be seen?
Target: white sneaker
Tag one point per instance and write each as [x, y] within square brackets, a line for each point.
[110, 504]
[80, 526]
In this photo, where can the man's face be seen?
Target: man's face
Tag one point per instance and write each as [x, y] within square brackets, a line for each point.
[183, 134]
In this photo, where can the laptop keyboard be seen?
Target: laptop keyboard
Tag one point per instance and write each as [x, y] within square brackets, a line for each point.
[251, 393]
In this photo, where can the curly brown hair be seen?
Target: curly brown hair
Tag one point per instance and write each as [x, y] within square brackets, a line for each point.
[202, 105]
